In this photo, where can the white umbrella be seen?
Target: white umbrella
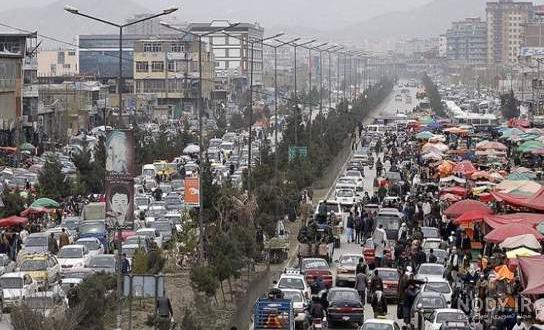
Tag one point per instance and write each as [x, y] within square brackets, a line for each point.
[191, 149]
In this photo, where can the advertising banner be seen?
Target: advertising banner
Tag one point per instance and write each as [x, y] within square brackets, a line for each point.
[120, 171]
[192, 190]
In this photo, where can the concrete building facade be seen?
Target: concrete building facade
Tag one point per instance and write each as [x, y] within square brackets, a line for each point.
[467, 42]
[58, 63]
[505, 24]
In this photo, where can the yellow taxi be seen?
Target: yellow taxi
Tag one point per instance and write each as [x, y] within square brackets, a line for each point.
[42, 267]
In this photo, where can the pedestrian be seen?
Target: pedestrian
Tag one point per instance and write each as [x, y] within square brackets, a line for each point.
[360, 285]
[359, 226]
[376, 282]
[350, 227]
[361, 266]
[125, 264]
[52, 244]
[409, 298]
[63, 238]
[379, 304]
[519, 324]
[432, 258]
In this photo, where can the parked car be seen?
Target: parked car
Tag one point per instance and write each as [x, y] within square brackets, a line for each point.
[380, 324]
[72, 257]
[42, 267]
[312, 268]
[441, 286]
[294, 280]
[445, 316]
[16, 287]
[36, 243]
[345, 305]
[390, 279]
[430, 272]
[153, 234]
[430, 232]
[102, 263]
[93, 245]
[51, 303]
[165, 228]
[425, 304]
[299, 305]
[345, 269]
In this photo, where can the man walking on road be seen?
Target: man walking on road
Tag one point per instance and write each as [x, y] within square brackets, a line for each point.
[350, 225]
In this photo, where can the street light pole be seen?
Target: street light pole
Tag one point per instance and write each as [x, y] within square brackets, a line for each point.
[76, 11]
[200, 104]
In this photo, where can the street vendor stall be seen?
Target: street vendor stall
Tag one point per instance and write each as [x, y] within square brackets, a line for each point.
[501, 233]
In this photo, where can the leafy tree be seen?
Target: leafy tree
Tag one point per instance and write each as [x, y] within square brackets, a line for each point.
[204, 280]
[434, 96]
[140, 262]
[509, 105]
[88, 180]
[220, 117]
[52, 182]
[99, 164]
[14, 203]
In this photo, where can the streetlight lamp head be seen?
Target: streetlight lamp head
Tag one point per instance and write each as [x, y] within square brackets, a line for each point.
[70, 9]
[169, 10]
[163, 23]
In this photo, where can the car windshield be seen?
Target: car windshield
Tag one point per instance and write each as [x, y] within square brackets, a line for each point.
[147, 233]
[332, 207]
[293, 295]
[162, 226]
[68, 252]
[291, 283]
[101, 262]
[135, 240]
[349, 260]
[141, 201]
[450, 317]
[429, 232]
[377, 326]
[343, 295]
[155, 213]
[91, 245]
[389, 223]
[353, 173]
[92, 228]
[33, 265]
[71, 224]
[149, 172]
[431, 269]
[440, 287]
[431, 244]
[129, 251]
[431, 302]
[345, 193]
[388, 275]
[36, 241]
[314, 264]
[11, 283]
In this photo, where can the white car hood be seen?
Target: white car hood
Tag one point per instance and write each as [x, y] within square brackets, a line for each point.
[71, 261]
[12, 293]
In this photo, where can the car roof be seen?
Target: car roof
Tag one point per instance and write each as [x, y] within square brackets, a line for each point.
[431, 264]
[130, 246]
[430, 294]
[84, 239]
[387, 269]
[351, 255]
[337, 288]
[40, 234]
[380, 321]
[78, 246]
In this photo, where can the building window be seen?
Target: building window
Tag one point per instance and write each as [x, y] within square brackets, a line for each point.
[234, 52]
[53, 68]
[60, 58]
[234, 41]
[142, 66]
[71, 53]
[157, 66]
[219, 40]
[152, 47]
[66, 66]
[219, 52]
[178, 48]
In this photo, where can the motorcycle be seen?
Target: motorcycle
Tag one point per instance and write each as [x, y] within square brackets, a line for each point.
[319, 324]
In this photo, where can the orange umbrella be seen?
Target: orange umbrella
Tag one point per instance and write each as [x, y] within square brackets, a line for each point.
[471, 216]
[464, 167]
[504, 273]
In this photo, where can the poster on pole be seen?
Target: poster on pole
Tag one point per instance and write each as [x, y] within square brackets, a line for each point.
[192, 191]
[120, 173]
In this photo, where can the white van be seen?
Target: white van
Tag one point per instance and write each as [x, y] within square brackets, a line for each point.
[149, 171]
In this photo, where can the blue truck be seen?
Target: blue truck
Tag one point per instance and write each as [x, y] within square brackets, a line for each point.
[273, 314]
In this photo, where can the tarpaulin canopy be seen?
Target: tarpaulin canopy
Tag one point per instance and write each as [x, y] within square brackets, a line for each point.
[464, 167]
[450, 197]
[33, 210]
[459, 191]
[504, 273]
[501, 233]
[535, 201]
[13, 221]
[437, 146]
[521, 252]
[524, 187]
[530, 145]
[452, 178]
[425, 135]
[458, 208]
[484, 145]
[528, 219]
[531, 269]
[521, 176]
[432, 155]
[470, 216]
[45, 202]
[527, 240]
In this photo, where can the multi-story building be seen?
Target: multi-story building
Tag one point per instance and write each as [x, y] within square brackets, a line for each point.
[233, 52]
[151, 27]
[442, 46]
[168, 70]
[467, 42]
[57, 63]
[505, 22]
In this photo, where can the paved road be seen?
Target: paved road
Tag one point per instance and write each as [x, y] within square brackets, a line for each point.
[387, 108]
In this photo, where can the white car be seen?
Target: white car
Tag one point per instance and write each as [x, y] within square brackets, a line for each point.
[299, 303]
[441, 286]
[380, 324]
[93, 244]
[294, 280]
[72, 257]
[444, 315]
[16, 287]
[430, 272]
[356, 175]
[151, 233]
[431, 243]
[346, 197]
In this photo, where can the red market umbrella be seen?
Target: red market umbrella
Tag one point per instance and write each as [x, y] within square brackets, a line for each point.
[465, 167]
[471, 216]
[501, 233]
[34, 210]
[450, 197]
[13, 221]
[459, 191]
[457, 209]
[484, 145]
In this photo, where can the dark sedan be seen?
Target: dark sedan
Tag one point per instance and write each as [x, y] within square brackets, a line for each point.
[345, 306]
